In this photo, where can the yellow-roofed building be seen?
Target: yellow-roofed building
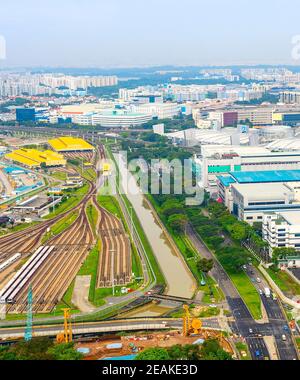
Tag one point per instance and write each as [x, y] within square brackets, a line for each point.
[33, 158]
[70, 144]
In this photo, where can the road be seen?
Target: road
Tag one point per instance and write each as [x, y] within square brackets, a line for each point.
[244, 324]
[107, 326]
[278, 324]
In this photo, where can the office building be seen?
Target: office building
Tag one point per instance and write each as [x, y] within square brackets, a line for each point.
[282, 229]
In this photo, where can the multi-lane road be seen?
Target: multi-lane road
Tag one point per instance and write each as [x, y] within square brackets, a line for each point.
[244, 324]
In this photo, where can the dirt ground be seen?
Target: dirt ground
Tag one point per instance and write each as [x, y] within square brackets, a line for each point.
[98, 349]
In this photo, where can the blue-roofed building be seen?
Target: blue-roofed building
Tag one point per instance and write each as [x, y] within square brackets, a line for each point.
[249, 195]
[266, 176]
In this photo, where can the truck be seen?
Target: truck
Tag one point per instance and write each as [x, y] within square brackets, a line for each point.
[267, 292]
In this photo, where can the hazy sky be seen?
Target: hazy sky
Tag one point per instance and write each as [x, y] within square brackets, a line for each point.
[118, 33]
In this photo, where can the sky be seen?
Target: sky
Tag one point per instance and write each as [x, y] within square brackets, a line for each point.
[131, 33]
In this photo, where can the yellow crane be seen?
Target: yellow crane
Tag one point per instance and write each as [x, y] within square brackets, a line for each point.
[190, 325]
[66, 336]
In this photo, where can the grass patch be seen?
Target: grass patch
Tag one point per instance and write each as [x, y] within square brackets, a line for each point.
[243, 350]
[62, 176]
[18, 227]
[110, 204]
[284, 282]
[90, 267]
[247, 292]
[212, 292]
[92, 214]
[74, 197]
[60, 226]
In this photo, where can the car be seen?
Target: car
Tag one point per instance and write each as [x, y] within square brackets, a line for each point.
[286, 328]
[261, 292]
[252, 279]
[257, 353]
[245, 267]
[258, 280]
[250, 331]
[283, 337]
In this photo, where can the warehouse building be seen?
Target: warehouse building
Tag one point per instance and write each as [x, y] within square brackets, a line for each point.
[70, 144]
[34, 158]
[38, 204]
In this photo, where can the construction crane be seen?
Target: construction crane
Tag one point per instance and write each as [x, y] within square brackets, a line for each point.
[190, 325]
[28, 330]
[66, 336]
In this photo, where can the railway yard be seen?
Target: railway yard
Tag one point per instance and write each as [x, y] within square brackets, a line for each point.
[50, 268]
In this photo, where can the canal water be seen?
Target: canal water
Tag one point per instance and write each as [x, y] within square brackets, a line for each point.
[179, 279]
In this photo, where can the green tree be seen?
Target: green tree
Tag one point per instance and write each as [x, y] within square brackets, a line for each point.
[233, 258]
[184, 352]
[35, 349]
[205, 265]
[153, 353]
[177, 222]
[283, 253]
[64, 351]
[171, 207]
[211, 350]
[238, 231]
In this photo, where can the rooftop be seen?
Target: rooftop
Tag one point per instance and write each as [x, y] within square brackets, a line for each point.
[266, 176]
[292, 217]
[262, 191]
[64, 144]
[34, 157]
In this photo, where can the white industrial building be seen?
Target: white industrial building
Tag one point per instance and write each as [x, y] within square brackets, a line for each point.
[158, 110]
[196, 136]
[112, 118]
[249, 195]
[287, 144]
[216, 160]
[249, 202]
[282, 229]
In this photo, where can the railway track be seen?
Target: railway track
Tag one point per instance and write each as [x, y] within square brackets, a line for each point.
[51, 276]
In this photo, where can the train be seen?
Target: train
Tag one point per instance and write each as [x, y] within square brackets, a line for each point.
[9, 261]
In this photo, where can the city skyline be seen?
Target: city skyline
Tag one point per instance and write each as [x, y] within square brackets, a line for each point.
[130, 34]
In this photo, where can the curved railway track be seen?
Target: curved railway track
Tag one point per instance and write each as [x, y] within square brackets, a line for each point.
[53, 276]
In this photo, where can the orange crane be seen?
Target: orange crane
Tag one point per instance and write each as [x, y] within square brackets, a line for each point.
[66, 336]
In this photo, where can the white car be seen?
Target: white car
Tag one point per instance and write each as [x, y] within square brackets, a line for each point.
[261, 292]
